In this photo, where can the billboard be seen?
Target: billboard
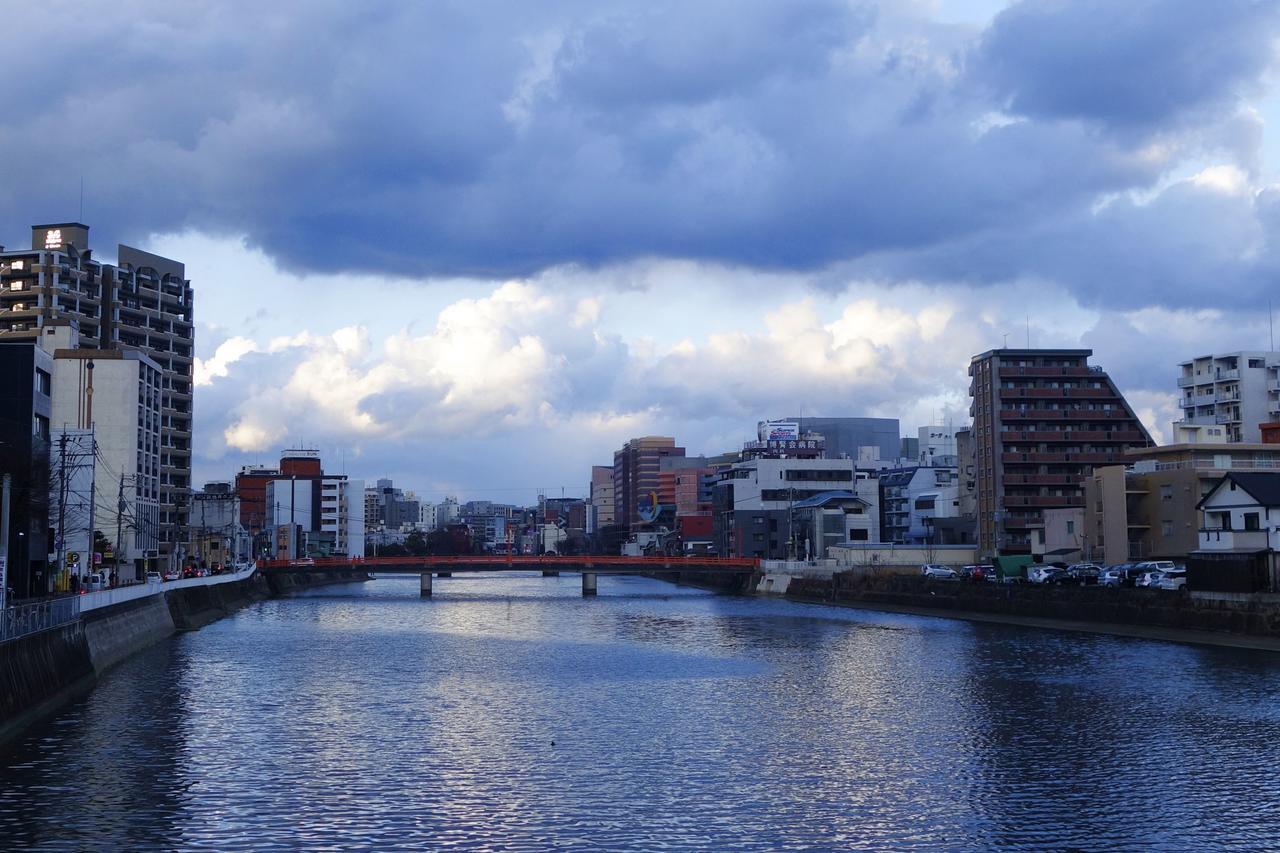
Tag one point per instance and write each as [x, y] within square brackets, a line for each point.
[779, 431]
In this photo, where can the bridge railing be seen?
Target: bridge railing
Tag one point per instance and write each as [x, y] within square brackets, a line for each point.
[512, 560]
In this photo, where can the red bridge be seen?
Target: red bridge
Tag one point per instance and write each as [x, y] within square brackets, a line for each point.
[589, 566]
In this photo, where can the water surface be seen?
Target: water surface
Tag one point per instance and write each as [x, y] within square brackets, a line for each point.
[509, 712]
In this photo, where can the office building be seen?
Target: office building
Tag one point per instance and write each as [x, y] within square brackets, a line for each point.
[142, 302]
[1237, 390]
[759, 500]
[26, 385]
[1043, 419]
[636, 469]
[849, 437]
[601, 494]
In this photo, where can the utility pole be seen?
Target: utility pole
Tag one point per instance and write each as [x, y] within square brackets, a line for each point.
[62, 500]
[120, 505]
[4, 540]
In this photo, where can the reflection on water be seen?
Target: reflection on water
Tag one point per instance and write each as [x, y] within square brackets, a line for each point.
[511, 712]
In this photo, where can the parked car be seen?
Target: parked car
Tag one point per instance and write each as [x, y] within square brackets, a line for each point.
[306, 561]
[153, 577]
[1039, 574]
[95, 581]
[1174, 580]
[172, 575]
[1152, 571]
[978, 573]
[1116, 575]
[929, 570]
[1085, 573]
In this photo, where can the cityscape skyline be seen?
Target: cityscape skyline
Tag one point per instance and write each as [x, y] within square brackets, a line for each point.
[447, 339]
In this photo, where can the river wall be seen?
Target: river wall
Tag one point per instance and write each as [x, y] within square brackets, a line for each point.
[41, 673]
[1123, 610]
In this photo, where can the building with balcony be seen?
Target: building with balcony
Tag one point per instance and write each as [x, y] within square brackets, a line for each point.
[1146, 508]
[1240, 535]
[1237, 391]
[142, 302]
[1042, 421]
[912, 499]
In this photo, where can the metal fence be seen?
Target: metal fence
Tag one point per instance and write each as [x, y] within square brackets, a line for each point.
[24, 619]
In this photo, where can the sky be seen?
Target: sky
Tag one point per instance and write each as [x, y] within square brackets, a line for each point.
[475, 246]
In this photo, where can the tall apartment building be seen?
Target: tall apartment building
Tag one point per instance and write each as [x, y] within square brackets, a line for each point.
[636, 473]
[1238, 390]
[141, 302]
[1042, 420]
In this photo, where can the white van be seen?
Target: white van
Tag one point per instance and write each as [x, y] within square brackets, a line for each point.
[95, 581]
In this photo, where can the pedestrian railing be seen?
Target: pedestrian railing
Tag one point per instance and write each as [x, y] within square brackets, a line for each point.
[24, 619]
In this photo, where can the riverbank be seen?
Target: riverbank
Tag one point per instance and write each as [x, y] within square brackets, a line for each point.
[1237, 622]
[43, 672]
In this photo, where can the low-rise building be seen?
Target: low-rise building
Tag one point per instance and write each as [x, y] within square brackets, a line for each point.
[1240, 535]
[1147, 509]
[912, 499]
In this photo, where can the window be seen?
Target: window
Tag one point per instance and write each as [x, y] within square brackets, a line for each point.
[41, 427]
[1251, 521]
[857, 536]
[1071, 528]
[1166, 492]
[1166, 528]
[43, 382]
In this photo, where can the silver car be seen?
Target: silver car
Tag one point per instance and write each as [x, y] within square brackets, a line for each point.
[933, 570]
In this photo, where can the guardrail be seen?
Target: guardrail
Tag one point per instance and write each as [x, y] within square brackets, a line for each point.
[25, 619]
[108, 597]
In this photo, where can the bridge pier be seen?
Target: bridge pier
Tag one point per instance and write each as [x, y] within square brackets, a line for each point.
[424, 588]
[549, 573]
[588, 583]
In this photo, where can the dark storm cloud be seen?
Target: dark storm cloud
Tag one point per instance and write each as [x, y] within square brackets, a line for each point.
[1135, 63]
[501, 139]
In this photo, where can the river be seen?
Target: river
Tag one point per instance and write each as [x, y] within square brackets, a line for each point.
[509, 712]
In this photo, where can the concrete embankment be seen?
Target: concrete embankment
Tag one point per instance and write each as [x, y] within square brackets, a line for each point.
[1244, 621]
[41, 673]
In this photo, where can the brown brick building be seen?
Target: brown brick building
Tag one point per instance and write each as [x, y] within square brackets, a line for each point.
[1042, 419]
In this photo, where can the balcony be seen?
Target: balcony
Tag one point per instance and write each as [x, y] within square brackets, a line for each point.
[1188, 381]
[1226, 375]
[1043, 371]
[1049, 501]
[1227, 418]
[1216, 539]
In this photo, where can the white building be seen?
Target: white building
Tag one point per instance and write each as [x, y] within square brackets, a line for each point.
[316, 516]
[755, 504]
[1237, 390]
[938, 445]
[912, 498]
[217, 536]
[1240, 534]
[117, 394]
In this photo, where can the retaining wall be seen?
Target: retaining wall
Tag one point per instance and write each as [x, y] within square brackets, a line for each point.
[1123, 608]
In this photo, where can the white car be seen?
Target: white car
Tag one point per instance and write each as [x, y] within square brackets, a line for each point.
[1039, 574]
[1174, 580]
[932, 570]
[153, 577]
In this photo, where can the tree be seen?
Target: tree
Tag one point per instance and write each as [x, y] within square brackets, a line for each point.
[416, 544]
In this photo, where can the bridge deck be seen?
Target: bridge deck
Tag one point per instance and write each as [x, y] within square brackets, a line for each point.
[591, 564]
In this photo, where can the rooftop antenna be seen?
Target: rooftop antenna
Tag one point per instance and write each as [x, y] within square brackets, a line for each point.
[1028, 331]
[1271, 320]
[1006, 340]
[81, 198]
